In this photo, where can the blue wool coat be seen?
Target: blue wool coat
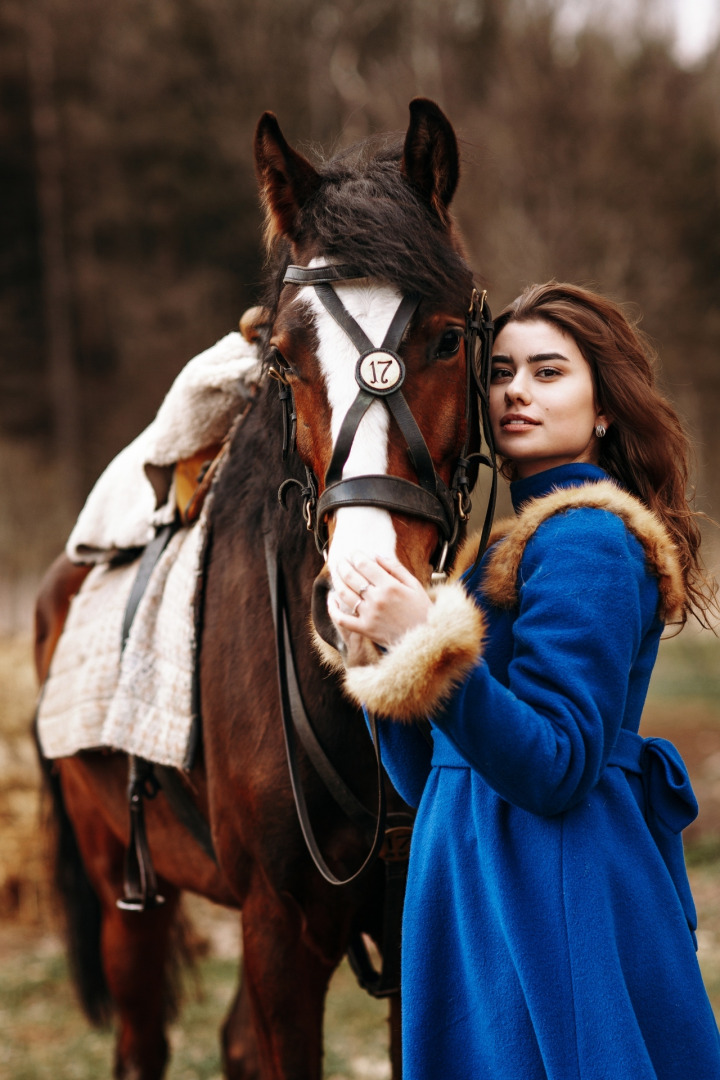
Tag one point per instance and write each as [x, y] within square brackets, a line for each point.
[549, 928]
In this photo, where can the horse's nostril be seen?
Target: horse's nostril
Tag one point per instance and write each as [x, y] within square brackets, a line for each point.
[319, 610]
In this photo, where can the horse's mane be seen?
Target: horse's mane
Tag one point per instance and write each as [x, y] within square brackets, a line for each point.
[367, 215]
[248, 483]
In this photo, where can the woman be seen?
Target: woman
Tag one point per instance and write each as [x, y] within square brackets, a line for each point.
[549, 927]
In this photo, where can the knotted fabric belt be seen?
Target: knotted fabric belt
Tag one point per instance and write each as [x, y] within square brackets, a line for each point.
[659, 782]
[670, 802]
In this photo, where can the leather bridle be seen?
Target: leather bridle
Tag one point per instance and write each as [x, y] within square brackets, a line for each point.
[380, 373]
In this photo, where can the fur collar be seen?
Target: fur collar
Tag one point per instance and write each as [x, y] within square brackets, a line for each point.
[500, 582]
[418, 674]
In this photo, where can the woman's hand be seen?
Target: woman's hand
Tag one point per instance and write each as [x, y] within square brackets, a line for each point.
[377, 599]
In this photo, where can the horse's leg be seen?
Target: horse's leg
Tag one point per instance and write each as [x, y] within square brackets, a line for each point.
[136, 947]
[287, 980]
[239, 1045]
[395, 1038]
[135, 950]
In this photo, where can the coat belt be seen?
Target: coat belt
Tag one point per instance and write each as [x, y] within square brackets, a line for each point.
[670, 802]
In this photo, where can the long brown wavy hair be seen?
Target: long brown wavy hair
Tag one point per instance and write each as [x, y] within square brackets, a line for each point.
[646, 448]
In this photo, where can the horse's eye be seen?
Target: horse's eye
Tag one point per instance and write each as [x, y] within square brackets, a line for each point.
[449, 344]
[278, 367]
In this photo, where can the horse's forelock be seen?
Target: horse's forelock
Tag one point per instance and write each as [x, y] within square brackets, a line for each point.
[367, 215]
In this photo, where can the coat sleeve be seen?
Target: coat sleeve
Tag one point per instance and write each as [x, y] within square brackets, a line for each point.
[585, 602]
[405, 754]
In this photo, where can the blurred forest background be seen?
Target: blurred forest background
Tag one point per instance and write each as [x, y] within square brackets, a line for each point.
[130, 240]
[130, 229]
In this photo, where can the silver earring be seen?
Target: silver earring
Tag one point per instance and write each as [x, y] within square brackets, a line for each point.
[601, 431]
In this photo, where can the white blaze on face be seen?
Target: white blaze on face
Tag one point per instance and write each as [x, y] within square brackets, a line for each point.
[357, 528]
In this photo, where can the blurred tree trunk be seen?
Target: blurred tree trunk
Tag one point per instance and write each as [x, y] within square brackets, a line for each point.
[425, 48]
[61, 370]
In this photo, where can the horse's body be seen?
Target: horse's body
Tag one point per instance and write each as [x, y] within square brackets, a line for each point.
[295, 925]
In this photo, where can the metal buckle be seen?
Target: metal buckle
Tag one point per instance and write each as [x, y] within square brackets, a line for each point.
[439, 574]
[396, 845]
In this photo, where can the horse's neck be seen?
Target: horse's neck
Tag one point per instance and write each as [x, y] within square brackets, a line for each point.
[246, 497]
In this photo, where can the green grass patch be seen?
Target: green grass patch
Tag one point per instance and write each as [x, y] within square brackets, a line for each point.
[705, 851]
[44, 1034]
[688, 668]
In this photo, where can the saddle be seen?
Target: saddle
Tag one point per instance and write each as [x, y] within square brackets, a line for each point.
[193, 480]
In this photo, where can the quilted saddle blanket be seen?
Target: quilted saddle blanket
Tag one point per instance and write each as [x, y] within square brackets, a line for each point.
[143, 700]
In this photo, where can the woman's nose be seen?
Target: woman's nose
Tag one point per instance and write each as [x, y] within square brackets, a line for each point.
[517, 390]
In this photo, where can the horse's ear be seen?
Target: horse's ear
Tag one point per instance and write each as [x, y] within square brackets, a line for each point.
[253, 321]
[431, 162]
[286, 179]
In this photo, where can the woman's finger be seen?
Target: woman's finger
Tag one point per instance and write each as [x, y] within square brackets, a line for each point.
[351, 577]
[398, 570]
[348, 598]
[346, 619]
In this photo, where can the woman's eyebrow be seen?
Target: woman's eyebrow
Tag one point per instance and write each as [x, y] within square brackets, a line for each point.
[535, 358]
[543, 357]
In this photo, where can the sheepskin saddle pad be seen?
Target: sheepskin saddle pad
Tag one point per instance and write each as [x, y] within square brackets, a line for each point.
[141, 699]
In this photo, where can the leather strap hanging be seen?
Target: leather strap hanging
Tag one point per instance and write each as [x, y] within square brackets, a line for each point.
[296, 723]
[391, 844]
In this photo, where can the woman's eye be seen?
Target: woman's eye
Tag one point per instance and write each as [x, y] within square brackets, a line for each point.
[449, 344]
[547, 372]
[498, 374]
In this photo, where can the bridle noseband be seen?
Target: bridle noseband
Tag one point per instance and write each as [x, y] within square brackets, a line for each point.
[380, 373]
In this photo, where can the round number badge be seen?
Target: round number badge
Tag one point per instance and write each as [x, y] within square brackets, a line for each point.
[380, 371]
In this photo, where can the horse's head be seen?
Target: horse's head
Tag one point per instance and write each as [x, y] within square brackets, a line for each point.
[369, 337]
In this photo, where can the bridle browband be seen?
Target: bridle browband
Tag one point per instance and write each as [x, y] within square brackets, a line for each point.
[380, 373]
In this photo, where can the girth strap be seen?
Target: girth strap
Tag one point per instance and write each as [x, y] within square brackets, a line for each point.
[185, 809]
[148, 561]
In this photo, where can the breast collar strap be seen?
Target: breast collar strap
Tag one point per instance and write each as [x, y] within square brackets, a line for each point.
[380, 373]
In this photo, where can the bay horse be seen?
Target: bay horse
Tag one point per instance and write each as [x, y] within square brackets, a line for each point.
[371, 228]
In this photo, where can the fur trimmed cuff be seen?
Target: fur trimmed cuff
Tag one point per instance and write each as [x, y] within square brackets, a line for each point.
[418, 674]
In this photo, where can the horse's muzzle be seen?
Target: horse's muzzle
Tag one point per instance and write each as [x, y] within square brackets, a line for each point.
[322, 622]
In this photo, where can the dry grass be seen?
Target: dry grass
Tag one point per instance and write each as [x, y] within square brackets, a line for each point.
[22, 873]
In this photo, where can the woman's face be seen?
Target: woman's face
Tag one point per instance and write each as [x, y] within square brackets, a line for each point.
[542, 399]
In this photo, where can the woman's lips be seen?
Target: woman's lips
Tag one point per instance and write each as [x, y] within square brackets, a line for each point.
[517, 421]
